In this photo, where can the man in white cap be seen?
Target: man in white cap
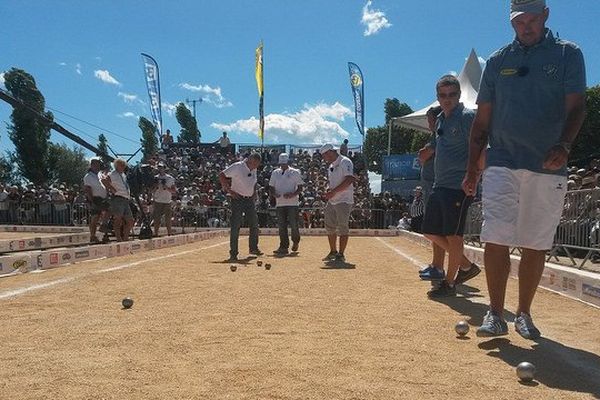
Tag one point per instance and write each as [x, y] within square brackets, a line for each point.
[340, 198]
[239, 181]
[531, 105]
[285, 185]
[161, 198]
[97, 197]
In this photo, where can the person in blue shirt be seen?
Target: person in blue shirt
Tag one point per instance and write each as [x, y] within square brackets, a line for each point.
[446, 209]
[531, 105]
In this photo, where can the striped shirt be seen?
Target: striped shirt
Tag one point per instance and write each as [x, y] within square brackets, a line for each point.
[417, 208]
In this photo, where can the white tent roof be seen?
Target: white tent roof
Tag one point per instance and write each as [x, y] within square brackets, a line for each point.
[469, 79]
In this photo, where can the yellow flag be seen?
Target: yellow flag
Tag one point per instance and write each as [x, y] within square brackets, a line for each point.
[259, 84]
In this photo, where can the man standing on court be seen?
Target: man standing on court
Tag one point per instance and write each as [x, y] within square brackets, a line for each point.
[97, 197]
[340, 198]
[161, 198]
[285, 185]
[117, 186]
[239, 181]
[446, 210]
[531, 105]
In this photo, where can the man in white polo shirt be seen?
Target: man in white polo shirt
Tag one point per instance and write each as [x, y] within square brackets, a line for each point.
[116, 184]
[162, 197]
[96, 195]
[285, 185]
[340, 198]
[239, 181]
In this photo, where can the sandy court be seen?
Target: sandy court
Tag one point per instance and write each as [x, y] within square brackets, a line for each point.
[299, 331]
[28, 235]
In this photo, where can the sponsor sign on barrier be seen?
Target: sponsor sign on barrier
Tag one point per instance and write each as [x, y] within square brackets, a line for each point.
[16, 264]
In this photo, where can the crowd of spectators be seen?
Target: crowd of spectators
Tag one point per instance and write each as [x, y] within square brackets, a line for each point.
[584, 178]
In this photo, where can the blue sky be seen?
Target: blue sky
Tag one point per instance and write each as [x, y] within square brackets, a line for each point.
[85, 56]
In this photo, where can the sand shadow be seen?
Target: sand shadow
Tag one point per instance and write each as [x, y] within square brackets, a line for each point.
[329, 265]
[557, 366]
[244, 261]
[475, 311]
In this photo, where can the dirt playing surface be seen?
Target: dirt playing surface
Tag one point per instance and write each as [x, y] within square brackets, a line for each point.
[303, 330]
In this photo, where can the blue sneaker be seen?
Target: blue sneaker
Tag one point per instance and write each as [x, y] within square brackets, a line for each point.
[426, 270]
[493, 325]
[525, 327]
[433, 275]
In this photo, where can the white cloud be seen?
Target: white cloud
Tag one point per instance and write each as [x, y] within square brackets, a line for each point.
[215, 95]
[373, 20]
[312, 124]
[62, 64]
[2, 80]
[78, 68]
[169, 107]
[106, 77]
[130, 98]
[127, 114]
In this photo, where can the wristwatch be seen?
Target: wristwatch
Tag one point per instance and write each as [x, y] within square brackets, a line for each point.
[565, 145]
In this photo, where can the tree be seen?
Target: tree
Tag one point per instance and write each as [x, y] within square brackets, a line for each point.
[189, 128]
[7, 170]
[393, 109]
[66, 165]
[376, 142]
[28, 133]
[103, 147]
[149, 140]
[587, 144]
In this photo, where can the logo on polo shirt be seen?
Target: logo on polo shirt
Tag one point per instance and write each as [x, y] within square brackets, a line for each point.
[508, 71]
[550, 69]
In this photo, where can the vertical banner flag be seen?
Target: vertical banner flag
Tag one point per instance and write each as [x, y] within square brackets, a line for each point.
[261, 93]
[358, 92]
[153, 84]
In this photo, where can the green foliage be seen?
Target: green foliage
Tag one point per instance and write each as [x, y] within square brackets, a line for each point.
[393, 109]
[29, 134]
[149, 140]
[419, 140]
[7, 169]
[189, 127]
[66, 165]
[103, 147]
[587, 144]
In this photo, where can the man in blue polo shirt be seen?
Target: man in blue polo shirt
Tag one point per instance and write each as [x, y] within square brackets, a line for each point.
[531, 105]
[446, 209]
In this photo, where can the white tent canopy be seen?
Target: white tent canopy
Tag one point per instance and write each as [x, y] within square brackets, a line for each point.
[469, 79]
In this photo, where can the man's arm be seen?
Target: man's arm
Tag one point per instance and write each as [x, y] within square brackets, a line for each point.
[558, 155]
[224, 180]
[294, 193]
[478, 141]
[88, 193]
[348, 180]
[108, 184]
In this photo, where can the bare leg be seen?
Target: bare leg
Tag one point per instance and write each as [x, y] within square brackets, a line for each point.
[332, 242]
[93, 226]
[117, 222]
[497, 269]
[343, 243]
[442, 241]
[128, 225]
[169, 223]
[455, 255]
[438, 256]
[156, 225]
[531, 268]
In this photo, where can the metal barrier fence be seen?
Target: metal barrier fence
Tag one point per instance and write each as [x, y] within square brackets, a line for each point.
[578, 233]
[46, 213]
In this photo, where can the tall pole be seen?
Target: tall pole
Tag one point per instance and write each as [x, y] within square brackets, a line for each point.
[193, 103]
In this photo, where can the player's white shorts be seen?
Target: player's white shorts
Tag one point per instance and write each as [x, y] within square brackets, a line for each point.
[521, 208]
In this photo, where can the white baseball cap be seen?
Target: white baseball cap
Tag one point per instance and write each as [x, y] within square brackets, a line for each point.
[327, 147]
[284, 158]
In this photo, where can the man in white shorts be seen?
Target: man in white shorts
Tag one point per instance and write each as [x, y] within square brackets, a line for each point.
[531, 105]
[340, 198]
